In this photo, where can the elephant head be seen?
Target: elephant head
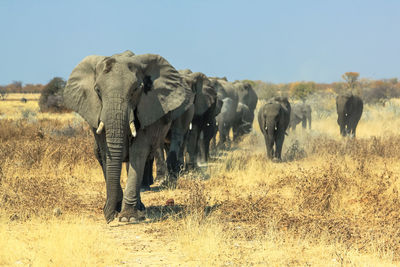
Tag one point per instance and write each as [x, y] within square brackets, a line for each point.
[119, 95]
[205, 94]
[246, 94]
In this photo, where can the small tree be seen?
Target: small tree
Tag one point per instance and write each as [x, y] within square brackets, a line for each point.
[301, 90]
[351, 79]
[51, 97]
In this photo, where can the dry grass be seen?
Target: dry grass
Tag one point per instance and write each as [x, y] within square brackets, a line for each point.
[67, 242]
[332, 201]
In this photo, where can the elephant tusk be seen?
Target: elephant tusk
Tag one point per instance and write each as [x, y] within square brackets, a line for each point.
[100, 128]
[266, 128]
[190, 126]
[133, 129]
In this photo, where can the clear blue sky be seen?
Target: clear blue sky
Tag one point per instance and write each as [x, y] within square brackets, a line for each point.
[276, 41]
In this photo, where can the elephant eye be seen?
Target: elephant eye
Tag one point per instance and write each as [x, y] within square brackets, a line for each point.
[97, 89]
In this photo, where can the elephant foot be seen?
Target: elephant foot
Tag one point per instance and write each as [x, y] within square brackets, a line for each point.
[109, 215]
[130, 213]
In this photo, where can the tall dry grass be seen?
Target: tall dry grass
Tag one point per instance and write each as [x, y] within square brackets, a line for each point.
[332, 201]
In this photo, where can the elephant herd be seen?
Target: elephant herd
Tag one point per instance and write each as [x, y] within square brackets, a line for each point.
[277, 115]
[139, 106]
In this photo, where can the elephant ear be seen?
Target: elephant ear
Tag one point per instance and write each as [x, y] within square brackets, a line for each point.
[79, 94]
[185, 72]
[205, 93]
[164, 90]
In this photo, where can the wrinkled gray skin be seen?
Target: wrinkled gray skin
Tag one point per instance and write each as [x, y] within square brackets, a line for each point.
[131, 100]
[173, 144]
[209, 132]
[243, 121]
[201, 118]
[227, 93]
[273, 119]
[349, 109]
[244, 117]
[205, 106]
[300, 113]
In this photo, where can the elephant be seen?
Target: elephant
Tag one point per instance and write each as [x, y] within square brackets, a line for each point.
[205, 108]
[349, 109]
[273, 119]
[173, 144]
[209, 132]
[247, 95]
[130, 102]
[228, 94]
[243, 121]
[300, 113]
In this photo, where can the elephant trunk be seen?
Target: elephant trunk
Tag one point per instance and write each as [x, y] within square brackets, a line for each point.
[116, 125]
[342, 121]
[270, 129]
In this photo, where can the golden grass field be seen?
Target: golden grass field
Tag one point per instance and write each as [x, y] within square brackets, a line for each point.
[331, 202]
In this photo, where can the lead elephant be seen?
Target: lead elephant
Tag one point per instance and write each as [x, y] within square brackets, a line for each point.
[300, 113]
[273, 119]
[349, 109]
[129, 101]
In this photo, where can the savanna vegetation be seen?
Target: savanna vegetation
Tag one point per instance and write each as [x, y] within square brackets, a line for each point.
[332, 201]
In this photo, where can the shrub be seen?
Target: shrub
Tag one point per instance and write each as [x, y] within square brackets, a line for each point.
[51, 97]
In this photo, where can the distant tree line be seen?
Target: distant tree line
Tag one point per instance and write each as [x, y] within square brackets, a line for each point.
[19, 88]
[372, 91]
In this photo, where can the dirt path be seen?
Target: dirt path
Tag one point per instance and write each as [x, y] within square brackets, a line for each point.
[144, 245]
[148, 243]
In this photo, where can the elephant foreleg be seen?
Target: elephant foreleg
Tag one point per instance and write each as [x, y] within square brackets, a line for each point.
[138, 154]
[304, 123]
[148, 178]
[160, 162]
[278, 145]
[192, 148]
[174, 153]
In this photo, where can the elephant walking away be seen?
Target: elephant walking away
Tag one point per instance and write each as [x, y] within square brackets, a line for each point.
[273, 119]
[349, 109]
[130, 102]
